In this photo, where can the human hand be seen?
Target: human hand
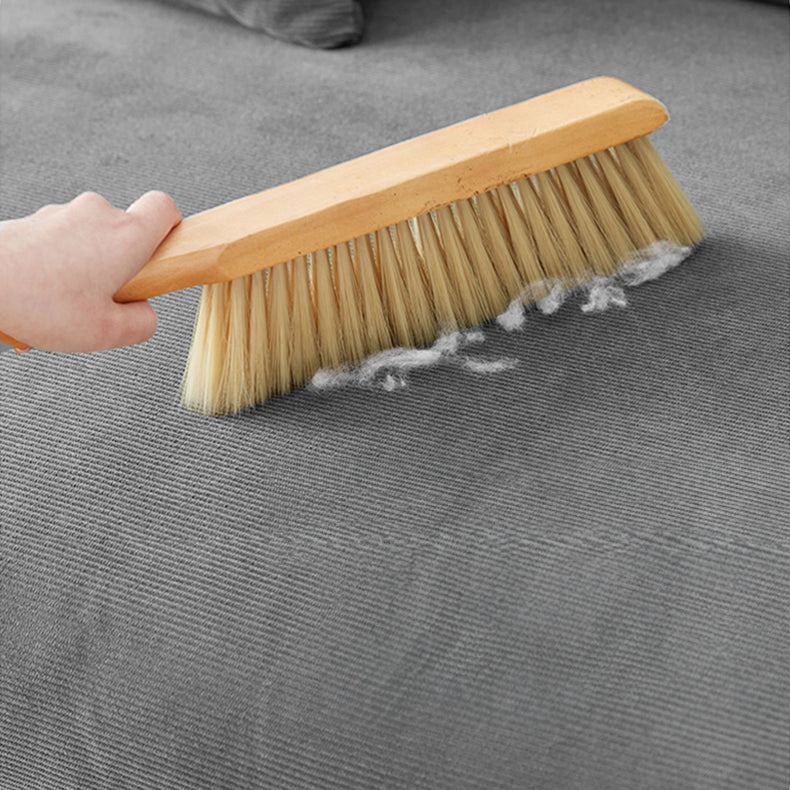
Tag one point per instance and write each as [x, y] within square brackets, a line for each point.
[61, 267]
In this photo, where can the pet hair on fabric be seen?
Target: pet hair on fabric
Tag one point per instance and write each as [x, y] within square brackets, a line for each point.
[389, 369]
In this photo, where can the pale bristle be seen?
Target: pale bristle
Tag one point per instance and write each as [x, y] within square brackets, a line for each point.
[330, 336]
[572, 263]
[349, 303]
[441, 289]
[599, 257]
[425, 325]
[522, 243]
[377, 331]
[279, 313]
[471, 303]
[260, 366]
[260, 336]
[638, 227]
[501, 246]
[644, 195]
[547, 246]
[496, 298]
[303, 336]
[203, 387]
[393, 290]
[235, 379]
[196, 388]
[606, 217]
[672, 199]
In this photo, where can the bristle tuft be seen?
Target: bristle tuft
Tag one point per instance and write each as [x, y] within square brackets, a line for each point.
[495, 297]
[304, 356]
[599, 257]
[330, 336]
[279, 312]
[642, 234]
[441, 288]
[425, 325]
[235, 378]
[573, 266]
[522, 243]
[349, 303]
[197, 384]
[471, 304]
[683, 219]
[377, 331]
[260, 365]
[393, 291]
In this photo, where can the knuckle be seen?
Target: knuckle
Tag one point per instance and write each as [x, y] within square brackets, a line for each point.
[48, 209]
[163, 200]
[92, 200]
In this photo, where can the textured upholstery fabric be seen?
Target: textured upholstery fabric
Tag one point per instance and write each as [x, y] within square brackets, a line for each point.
[315, 23]
[571, 574]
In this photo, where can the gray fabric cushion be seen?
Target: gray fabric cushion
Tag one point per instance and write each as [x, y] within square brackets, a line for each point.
[314, 23]
[573, 574]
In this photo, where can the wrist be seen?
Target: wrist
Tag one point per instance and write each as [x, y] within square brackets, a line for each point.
[7, 342]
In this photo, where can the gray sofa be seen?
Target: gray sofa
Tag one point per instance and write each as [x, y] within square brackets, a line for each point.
[572, 573]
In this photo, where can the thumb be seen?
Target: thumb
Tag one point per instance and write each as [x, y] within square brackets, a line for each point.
[131, 323]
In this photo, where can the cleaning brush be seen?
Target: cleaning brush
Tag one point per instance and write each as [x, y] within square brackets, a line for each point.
[430, 235]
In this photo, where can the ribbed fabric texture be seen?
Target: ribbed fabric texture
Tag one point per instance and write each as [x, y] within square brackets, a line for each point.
[313, 23]
[571, 574]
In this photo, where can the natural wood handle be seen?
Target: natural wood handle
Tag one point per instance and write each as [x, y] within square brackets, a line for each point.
[8, 340]
[390, 185]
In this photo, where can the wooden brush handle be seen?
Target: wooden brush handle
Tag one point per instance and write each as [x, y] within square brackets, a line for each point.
[395, 183]
[8, 340]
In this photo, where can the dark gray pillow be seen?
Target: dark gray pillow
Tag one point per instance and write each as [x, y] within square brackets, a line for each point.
[313, 23]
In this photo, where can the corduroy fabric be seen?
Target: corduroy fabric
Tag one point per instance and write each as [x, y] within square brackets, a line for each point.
[313, 23]
[571, 574]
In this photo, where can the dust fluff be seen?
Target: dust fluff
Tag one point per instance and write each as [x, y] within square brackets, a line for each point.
[389, 370]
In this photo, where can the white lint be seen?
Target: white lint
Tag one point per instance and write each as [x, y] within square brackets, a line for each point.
[388, 370]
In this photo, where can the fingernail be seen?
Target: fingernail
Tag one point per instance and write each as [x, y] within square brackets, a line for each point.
[22, 349]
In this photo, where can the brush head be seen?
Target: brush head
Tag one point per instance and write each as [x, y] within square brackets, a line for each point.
[453, 266]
